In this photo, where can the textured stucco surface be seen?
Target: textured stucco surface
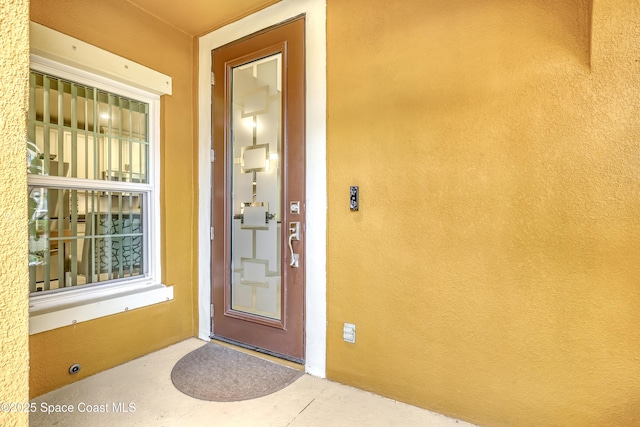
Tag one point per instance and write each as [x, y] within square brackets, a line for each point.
[492, 270]
[123, 29]
[14, 302]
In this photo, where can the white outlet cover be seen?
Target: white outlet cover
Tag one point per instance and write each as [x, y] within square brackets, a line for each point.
[349, 333]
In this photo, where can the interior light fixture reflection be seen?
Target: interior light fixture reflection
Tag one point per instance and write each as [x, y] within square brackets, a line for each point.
[250, 122]
[267, 163]
[104, 116]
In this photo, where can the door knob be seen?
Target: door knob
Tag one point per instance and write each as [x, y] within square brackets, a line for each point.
[294, 234]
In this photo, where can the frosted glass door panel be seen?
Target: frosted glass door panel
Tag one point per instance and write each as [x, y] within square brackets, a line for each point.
[256, 135]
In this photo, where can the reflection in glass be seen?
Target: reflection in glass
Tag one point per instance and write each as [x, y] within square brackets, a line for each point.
[78, 237]
[97, 135]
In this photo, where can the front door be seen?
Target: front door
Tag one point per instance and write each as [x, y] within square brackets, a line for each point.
[258, 191]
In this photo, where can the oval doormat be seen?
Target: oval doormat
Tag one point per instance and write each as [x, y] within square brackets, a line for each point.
[216, 373]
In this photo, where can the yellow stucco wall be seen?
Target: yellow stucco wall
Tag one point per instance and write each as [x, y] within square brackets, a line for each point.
[125, 30]
[492, 270]
[14, 273]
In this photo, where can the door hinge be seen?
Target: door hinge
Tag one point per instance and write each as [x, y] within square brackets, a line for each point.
[213, 155]
[211, 233]
[211, 315]
[213, 79]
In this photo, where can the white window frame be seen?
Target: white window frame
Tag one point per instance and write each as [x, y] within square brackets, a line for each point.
[69, 306]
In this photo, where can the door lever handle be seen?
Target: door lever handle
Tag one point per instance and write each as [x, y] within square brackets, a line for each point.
[294, 234]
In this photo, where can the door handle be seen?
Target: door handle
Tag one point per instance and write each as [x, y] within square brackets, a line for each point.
[294, 234]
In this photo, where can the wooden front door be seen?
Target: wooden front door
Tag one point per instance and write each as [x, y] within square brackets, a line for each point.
[258, 207]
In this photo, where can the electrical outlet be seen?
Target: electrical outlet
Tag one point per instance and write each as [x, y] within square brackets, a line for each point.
[349, 333]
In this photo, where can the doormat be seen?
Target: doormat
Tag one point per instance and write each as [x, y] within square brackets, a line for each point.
[220, 374]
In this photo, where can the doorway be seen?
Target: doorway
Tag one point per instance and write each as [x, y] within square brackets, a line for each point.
[316, 170]
[258, 193]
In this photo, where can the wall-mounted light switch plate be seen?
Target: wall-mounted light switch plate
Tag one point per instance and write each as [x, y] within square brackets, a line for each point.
[349, 333]
[354, 203]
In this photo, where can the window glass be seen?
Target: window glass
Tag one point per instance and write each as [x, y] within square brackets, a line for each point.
[88, 163]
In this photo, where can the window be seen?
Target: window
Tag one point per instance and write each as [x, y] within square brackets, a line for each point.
[92, 159]
[89, 190]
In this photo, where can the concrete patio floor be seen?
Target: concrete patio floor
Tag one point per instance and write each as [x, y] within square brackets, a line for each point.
[143, 387]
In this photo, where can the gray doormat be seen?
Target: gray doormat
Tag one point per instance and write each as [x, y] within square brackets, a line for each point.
[220, 374]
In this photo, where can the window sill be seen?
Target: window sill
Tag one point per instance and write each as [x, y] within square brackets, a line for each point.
[73, 306]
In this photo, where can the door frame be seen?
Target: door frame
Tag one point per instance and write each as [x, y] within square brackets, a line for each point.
[316, 171]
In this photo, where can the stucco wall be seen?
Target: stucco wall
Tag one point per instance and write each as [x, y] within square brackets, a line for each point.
[14, 273]
[492, 270]
[125, 30]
